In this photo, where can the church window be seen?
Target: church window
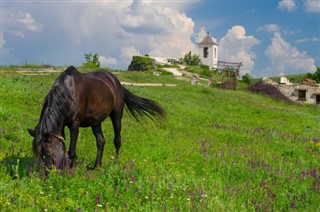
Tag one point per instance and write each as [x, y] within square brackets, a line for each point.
[205, 52]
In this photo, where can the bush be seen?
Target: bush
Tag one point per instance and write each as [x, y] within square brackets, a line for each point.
[193, 60]
[315, 76]
[92, 61]
[205, 67]
[247, 78]
[142, 63]
[206, 73]
[262, 87]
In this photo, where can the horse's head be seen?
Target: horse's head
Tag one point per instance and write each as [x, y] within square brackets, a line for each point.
[48, 148]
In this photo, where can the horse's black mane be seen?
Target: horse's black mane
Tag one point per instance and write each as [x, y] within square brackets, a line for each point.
[56, 104]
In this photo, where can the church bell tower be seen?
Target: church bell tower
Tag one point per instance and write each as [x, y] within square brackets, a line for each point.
[208, 52]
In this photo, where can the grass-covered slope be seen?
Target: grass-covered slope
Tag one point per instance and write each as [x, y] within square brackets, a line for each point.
[218, 150]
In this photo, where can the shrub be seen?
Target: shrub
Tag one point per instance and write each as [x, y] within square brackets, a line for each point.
[193, 60]
[92, 61]
[206, 73]
[205, 67]
[142, 63]
[262, 87]
[247, 78]
[315, 76]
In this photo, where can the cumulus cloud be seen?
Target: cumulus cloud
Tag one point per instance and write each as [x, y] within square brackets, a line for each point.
[286, 59]
[166, 31]
[201, 34]
[287, 5]
[236, 46]
[127, 52]
[141, 18]
[312, 5]
[291, 5]
[116, 28]
[105, 61]
[269, 28]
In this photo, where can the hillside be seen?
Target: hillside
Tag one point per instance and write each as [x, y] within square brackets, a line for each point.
[218, 149]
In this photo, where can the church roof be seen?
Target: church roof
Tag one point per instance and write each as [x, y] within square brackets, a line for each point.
[208, 40]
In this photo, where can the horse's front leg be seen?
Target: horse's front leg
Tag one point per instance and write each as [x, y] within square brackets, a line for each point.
[74, 132]
[100, 144]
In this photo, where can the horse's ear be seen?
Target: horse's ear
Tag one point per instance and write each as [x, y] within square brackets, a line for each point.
[31, 132]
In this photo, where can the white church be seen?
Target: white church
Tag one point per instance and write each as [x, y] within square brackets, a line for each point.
[207, 50]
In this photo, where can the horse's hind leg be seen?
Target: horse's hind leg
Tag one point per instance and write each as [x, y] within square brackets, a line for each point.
[100, 144]
[116, 122]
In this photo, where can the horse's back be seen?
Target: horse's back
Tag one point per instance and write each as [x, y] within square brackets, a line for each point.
[114, 84]
[96, 95]
[108, 78]
[98, 90]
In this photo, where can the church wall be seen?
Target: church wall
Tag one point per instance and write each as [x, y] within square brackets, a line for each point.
[210, 60]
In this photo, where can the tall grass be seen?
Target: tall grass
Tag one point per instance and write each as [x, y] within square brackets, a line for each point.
[218, 150]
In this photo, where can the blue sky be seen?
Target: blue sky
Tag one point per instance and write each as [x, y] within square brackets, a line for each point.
[271, 37]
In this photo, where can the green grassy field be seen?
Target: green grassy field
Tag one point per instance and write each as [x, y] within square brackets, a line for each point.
[218, 150]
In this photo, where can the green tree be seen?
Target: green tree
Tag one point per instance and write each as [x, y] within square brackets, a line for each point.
[247, 78]
[92, 61]
[193, 60]
[316, 75]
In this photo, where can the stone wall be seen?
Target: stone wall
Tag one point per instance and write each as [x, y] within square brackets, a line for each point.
[299, 92]
[292, 91]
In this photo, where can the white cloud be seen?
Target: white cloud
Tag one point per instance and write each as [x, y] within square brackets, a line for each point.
[158, 28]
[153, 27]
[291, 5]
[105, 61]
[15, 25]
[19, 23]
[288, 5]
[141, 18]
[287, 59]
[269, 28]
[27, 21]
[201, 34]
[236, 46]
[305, 40]
[290, 32]
[127, 53]
[22, 22]
[312, 5]
[166, 31]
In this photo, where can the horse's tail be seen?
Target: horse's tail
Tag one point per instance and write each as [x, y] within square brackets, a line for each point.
[139, 107]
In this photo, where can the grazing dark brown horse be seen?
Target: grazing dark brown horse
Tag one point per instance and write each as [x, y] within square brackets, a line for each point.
[84, 100]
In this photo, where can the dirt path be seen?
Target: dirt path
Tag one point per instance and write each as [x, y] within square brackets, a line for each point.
[148, 84]
[174, 71]
[44, 71]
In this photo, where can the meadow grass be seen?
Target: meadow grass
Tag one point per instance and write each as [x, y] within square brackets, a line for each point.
[217, 150]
